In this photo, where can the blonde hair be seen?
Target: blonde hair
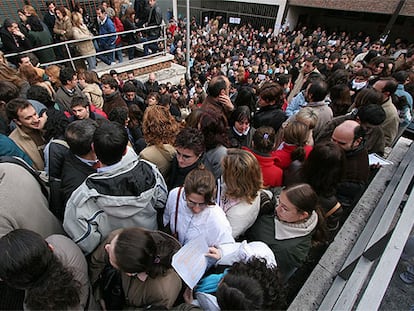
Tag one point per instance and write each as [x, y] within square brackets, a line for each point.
[307, 116]
[31, 10]
[242, 174]
[77, 19]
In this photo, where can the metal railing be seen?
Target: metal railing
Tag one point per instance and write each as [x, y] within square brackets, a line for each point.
[71, 58]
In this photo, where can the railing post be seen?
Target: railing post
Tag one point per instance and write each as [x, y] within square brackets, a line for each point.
[165, 38]
[70, 57]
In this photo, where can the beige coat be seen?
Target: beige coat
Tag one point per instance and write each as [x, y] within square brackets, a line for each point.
[94, 93]
[161, 291]
[160, 156]
[63, 28]
[84, 47]
[26, 143]
[22, 203]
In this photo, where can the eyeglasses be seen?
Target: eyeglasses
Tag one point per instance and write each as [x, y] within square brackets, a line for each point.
[192, 204]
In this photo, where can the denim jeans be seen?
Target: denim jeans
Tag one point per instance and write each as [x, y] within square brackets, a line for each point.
[118, 54]
[153, 46]
[107, 58]
[91, 60]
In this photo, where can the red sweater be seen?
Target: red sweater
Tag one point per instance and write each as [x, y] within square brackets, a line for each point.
[272, 174]
[283, 156]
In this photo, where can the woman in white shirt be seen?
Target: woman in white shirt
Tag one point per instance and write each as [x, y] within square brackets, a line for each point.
[191, 211]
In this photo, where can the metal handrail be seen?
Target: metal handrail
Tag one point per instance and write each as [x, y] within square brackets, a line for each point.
[70, 58]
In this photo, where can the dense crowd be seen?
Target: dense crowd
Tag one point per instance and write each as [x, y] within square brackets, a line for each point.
[261, 153]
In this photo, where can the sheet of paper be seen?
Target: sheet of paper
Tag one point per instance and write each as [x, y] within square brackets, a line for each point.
[190, 261]
[374, 158]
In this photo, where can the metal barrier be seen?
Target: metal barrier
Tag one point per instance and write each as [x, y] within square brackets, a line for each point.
[72, 59]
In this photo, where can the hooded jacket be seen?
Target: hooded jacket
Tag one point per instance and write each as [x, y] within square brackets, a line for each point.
[272, 174]
[127, 196]
[94, 93]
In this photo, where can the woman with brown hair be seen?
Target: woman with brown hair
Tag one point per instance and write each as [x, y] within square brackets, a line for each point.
[128, 20]
[191, 212]
[89, 83]
[293, 147]
[62, 29]
[53, 72]
[290, 231]
[160, 129]
[30, 75]
[144, 259]
[63, 24]
[11, 75]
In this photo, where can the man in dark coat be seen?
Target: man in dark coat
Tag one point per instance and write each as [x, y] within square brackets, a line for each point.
[81, 160]
[13, 39]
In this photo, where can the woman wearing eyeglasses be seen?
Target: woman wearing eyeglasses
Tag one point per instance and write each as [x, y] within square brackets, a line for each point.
[295, 226]
[191, 211]
[144, 259]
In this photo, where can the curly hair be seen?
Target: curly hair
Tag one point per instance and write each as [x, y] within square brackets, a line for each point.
[251, 286]
[28, 263]
[55, 125]
[242, 174]
[192, 139]
[159, 126]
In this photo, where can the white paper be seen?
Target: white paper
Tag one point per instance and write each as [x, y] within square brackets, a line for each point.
[190, 261]
[374, 159]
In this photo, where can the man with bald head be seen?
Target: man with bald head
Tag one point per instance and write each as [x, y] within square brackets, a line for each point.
[218, 98]
[350, 136]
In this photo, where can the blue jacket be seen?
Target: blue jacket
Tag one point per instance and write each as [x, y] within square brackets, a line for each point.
[9, 148]
[105, 28]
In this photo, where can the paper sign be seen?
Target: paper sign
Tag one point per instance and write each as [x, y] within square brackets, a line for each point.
[374, 159]
[190, 261]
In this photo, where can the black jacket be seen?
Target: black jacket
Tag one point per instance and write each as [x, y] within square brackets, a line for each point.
[269, 116]
[10, 45]
[74, 173]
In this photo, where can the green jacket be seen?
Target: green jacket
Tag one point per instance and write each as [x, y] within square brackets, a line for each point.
[289, 253]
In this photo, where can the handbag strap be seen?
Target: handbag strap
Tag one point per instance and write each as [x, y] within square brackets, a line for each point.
[176, 209]
[333, 210]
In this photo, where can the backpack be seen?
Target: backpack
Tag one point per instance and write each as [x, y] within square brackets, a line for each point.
[36, 174]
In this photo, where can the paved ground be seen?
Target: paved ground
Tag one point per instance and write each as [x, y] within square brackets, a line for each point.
[399, 296]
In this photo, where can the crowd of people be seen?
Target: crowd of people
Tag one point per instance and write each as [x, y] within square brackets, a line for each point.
[59, 24]
[262, 153]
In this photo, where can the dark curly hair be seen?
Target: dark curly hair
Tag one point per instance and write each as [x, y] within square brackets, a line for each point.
[251, 286]
[28, 263]
[55, 125]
